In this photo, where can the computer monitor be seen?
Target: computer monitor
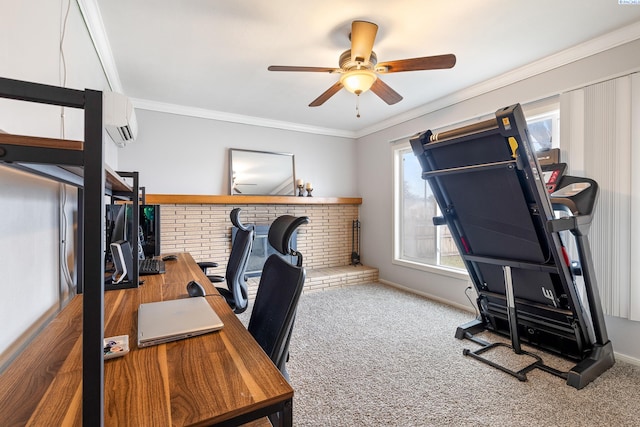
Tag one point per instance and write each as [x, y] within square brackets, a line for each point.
[119, 226]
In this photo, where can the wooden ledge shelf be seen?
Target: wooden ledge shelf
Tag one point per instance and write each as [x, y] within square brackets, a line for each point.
[35, 141]
[115, 182]
[72, 173]
[184, 199]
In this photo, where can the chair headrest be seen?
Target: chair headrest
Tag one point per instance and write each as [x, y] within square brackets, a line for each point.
[281, 230]
[235, 220]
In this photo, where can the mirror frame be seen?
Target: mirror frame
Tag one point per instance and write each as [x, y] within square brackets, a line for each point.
[260, 165]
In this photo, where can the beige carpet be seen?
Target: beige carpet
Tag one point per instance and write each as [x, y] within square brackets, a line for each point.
[371, 355]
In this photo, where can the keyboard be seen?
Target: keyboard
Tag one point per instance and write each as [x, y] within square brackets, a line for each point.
[151, 266]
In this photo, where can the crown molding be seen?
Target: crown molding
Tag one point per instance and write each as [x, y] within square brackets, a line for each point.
[203, 113]
[583, 50]
[93, 19]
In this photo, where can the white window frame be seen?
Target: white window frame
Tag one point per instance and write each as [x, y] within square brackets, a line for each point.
[399, 149]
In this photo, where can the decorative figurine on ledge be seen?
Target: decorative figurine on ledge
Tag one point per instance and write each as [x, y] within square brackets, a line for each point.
[309, 189]
[300, 185]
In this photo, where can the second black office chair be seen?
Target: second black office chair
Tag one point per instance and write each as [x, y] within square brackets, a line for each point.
[279, 291]
[235, 293]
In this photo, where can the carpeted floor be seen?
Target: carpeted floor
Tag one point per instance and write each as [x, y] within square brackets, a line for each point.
[371, 355]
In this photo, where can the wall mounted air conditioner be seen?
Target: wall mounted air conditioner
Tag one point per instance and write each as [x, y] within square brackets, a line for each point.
[119, 118]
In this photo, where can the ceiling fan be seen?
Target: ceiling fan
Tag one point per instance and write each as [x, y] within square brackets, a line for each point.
[359, 67]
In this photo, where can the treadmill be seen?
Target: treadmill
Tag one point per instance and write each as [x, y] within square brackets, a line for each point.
[508, 217]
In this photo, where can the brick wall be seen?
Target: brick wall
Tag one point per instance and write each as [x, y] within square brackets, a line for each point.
[204, 230]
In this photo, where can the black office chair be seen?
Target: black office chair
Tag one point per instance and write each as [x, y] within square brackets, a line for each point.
[235, 293]
[279, 291]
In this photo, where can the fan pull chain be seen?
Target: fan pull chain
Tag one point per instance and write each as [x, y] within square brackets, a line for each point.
[358, 106]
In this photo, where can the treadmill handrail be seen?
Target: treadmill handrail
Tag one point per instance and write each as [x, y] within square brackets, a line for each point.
[470, 168]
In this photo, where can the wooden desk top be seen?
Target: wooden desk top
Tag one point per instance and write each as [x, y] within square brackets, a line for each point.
[197, 381]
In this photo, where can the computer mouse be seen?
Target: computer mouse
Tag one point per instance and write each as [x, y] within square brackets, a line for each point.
[195, 289]
[170, 257]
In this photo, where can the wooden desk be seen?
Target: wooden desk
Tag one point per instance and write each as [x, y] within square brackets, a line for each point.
[219, 378]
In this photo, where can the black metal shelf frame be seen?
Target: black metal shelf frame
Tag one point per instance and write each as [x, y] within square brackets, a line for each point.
[91, 191]
[134, 281]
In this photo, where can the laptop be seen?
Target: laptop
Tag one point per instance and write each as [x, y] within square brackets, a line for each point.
[172, 320]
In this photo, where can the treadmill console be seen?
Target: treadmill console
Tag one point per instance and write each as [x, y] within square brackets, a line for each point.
[566, 192]
[571, 190]
[552, 174]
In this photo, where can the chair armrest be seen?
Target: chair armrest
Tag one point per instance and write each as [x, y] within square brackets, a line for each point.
[204, 265]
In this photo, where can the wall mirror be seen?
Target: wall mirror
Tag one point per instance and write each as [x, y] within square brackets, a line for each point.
[261, 173]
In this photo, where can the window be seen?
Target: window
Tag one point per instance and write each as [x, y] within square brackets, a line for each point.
[417, 242]
[544, 130]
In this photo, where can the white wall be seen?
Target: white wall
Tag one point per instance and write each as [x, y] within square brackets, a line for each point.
[30, 248]
[374, 162]
[187, 155]
[30, 50]
[29, 233]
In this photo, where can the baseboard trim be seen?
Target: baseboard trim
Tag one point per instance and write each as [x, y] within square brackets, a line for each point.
[428, 295]
[628, 359]
[619, 356]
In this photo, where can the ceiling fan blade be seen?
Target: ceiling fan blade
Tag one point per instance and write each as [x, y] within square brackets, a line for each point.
[326, 95]
[417, 64]
[363, 34]
[385, 92]
[310, 69]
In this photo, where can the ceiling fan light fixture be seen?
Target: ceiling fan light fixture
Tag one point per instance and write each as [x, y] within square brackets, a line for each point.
[358, 81]
[359, 67]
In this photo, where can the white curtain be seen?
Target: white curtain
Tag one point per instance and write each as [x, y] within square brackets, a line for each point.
[599, 137]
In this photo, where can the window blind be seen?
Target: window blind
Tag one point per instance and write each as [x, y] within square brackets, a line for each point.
[599, 129]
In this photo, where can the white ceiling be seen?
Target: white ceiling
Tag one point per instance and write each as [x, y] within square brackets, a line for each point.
[210, 57]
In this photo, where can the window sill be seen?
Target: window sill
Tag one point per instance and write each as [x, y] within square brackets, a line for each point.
[443, 271]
